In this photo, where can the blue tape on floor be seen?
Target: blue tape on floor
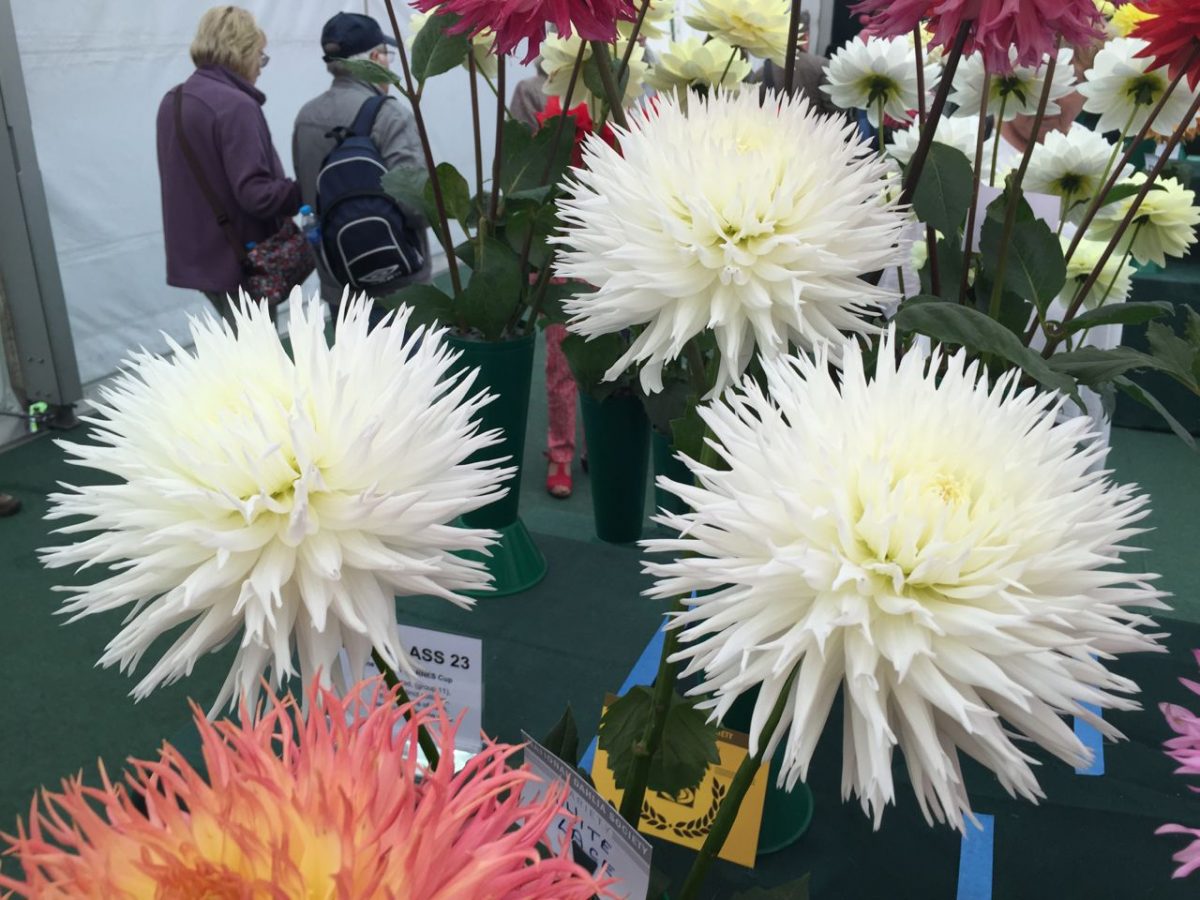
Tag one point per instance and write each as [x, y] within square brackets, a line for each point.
[975, 860]
[643, 672]
[1094, 741]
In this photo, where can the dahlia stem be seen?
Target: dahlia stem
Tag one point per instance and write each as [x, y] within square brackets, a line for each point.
[498, 159]
[935, 276]
[1055, 339]
[633, 36]
[976, 183]
[917, 165]
[1119, 146]
[999, 129]
[728, 66]
[793, 48]
[1115, 176]
[439, 201]
[1010, 210]
[495, 93]
[612, 92]
[475, 124]
[732, 803]
[882, 134]
[1124, 261]
[392, 680]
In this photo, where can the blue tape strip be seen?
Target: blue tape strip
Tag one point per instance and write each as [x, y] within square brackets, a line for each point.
[975, 860]
[1093, 740]
[643, 672]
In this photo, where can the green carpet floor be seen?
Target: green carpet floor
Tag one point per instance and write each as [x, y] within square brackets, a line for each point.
[575, 636]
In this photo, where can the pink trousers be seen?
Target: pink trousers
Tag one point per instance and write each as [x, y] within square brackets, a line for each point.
[560, 399]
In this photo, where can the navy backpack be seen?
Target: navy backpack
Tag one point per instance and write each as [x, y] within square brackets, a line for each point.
[366, 239]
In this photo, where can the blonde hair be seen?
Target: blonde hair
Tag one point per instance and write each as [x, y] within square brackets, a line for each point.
[228, 36]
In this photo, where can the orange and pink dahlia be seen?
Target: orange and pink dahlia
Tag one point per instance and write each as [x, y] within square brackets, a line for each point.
[1033, 27]
[1172, 31]
[514, 21]
[335, 806]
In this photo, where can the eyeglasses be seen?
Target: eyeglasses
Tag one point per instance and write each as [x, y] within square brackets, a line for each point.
[263, 59]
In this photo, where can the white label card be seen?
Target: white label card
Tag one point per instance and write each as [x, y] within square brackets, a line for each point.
[603, 841]
[450, 665]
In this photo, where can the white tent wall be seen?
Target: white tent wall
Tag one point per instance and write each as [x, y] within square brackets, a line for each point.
[95, 72]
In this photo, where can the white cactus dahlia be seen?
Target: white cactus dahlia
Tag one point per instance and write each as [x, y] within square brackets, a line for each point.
[938, 550]
[756, 221]
[278, 501]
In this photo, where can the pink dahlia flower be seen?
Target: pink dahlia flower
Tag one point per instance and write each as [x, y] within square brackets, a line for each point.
[1173, 35]
[514, 21]
[1033, 27]
[335, 806]
[1185, 750]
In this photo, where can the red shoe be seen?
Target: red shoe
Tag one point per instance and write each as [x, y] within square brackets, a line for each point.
[558, 480]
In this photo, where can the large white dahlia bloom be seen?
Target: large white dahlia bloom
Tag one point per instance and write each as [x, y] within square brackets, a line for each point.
[278, 501]
[756, 221]
[938, 550]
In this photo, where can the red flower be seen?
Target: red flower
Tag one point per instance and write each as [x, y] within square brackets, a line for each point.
[1173, 35]
[514, 21]
[583, 126]
[1031, 26]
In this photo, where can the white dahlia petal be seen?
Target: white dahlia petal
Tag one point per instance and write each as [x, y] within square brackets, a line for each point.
[870, 535]
[755, 221]
[278, 501]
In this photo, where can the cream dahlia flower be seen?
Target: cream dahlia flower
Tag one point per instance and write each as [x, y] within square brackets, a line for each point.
[558, 62]
[693, 61]
[281, 502]
[1165, 224]
[482, 45]
[959, 132]
[656, 26]
[760, 27]
[1015, 94]
[1123, 89]
[756, 221]
[1113, 285]
[1070, 166]
[878, 73]
[937, 550]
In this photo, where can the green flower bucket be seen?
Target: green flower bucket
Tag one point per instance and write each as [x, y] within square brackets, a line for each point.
[618, 441]
[505, 370]
[786, 815]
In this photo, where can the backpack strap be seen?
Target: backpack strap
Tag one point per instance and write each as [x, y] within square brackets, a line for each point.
[364, 122]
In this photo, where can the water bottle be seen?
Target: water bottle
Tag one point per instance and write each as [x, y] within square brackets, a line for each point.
[309, 225]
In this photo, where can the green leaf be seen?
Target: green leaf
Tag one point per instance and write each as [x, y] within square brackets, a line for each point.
[1141, 395]
[528, 156]
[689, 743]
[1035, 268]
[953, 324]
[590, 359]
[950, 266]
[556, 295]
[793, 890]
[943, 194]
[456, 193]
[435, 50]
[664, 407]
[1092, 366]
[1119, 314]
[592, 79]
[430, 306]
[563, 738]
[410, 185]
[373, 73]
[1176, 356]
[525, 218]
[1126, 189]
[495, 290]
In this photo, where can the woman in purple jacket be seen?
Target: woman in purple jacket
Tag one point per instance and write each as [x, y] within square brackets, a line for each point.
[228, 134]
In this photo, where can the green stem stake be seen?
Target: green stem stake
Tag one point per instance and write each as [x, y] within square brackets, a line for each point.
[611, 91]
[424, 738]
[727, 813]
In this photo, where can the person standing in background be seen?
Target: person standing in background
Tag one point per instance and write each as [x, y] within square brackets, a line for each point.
[346, 37]
[528, 103]
[810, 74]
[223, 123]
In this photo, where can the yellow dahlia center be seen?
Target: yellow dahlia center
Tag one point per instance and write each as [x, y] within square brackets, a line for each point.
[949, 488]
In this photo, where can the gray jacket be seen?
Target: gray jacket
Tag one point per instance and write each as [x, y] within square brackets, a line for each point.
[395, 134]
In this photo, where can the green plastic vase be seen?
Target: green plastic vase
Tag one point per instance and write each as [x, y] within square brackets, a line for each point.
[786, 815]
[666, 464]
[505, 370]
[618, 442]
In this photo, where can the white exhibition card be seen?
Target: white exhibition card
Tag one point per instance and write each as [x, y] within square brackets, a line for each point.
[602, 841]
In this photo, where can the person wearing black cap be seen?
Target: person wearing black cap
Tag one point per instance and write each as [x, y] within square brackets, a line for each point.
[353, 36]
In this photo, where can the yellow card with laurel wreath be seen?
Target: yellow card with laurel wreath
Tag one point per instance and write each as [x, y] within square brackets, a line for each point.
[686, 818]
